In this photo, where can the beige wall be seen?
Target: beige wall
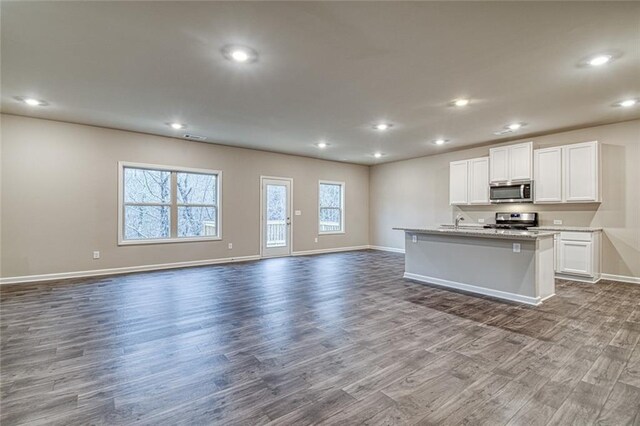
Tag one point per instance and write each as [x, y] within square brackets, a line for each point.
[54, 216]
[59, 197]
[415, 193]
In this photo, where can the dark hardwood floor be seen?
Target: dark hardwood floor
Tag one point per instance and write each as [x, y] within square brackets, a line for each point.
[336, 339]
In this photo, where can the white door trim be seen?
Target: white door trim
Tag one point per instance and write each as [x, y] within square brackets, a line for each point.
[290, 180]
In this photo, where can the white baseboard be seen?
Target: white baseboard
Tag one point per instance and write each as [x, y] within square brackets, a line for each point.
[123, 270]
[621, 278]
[329, 250]
[475, 289]
[577, 278]
[391, 249]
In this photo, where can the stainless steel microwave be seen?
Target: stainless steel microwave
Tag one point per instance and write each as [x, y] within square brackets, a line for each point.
[511, 192]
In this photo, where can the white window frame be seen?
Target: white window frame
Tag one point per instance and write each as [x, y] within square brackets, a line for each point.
[173, 204]
[342, 207]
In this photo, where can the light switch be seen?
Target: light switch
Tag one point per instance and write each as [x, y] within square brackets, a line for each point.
[516, 247]
[480, 220]
[557, 222]
[298, 212]
[414, 238]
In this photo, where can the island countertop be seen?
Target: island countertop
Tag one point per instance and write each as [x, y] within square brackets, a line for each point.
[566, 228]
[481, 232]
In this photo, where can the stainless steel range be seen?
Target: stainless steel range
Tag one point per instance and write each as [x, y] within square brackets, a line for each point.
[514, 221]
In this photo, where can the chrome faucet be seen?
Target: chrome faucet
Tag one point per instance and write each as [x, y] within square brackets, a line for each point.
[458, 219]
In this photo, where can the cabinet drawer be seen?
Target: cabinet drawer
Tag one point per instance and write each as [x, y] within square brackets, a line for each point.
[576, 236]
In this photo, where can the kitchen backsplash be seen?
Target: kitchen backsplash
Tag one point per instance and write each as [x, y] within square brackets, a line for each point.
[570, 214]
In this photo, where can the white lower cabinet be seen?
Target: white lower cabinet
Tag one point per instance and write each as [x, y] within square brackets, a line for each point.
[578, 255]
[575, 257]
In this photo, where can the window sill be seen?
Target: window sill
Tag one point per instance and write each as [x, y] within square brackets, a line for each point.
[167, 241]
[331, 233]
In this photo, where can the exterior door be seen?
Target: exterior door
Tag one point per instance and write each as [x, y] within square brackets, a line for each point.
[276, 217]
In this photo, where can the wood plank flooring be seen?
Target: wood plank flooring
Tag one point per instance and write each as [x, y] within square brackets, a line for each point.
[329, 339]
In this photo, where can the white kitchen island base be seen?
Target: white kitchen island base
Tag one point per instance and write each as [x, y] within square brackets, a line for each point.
[483, 262]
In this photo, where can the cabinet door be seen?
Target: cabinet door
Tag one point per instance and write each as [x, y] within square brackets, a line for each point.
[499, 164]
[547, 176]
[581, 172]
[458, 182]
[479, 181]
[575, 257]
[556, 256]
[521, 161]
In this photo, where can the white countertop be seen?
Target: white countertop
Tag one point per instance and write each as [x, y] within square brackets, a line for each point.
[476, 231]
[566, 228]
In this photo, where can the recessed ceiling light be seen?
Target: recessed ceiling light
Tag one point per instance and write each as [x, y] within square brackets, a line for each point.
[31, 101]
[322, 145]
[461, 102]
[627, 103]
[514, 126]
[240, 54]
[598, 60]
[177, 126]
[440, 141]
[377, 154]
[383, 126]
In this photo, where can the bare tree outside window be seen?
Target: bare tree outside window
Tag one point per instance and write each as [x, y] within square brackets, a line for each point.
[150, 212]
[331, 200]
[147, 201]
[197, 211]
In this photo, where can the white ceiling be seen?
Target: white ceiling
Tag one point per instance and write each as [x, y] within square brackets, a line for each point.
[326, 70]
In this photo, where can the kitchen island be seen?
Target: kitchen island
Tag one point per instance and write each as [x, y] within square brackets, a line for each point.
[506, 264]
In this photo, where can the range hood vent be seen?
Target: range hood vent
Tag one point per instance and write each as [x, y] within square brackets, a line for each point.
[194, 137]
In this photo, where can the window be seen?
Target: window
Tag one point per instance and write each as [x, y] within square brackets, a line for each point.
[331, 207]
[165, 204]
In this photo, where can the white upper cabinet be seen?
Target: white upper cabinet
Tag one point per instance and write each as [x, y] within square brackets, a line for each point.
[469, 181]
[511, 163]
[567, 174]
[581, 172]
[479, 181]
[547, 175]
[521, 161]
[499, 162]
[458, 182]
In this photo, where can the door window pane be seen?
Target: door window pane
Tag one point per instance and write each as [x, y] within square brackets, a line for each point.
[276, 204]
[144, 222]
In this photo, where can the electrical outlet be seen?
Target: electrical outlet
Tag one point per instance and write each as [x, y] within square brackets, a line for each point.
[316, 240]
[516, 247]
[480, 220]
[298, 213]
[96, 255]
[557, 222]
[414, 238]
[230, 246]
